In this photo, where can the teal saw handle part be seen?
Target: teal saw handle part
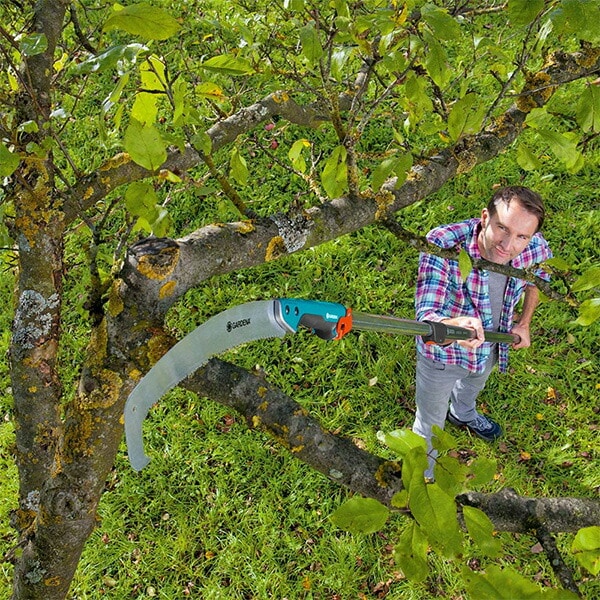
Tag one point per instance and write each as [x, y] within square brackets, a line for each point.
[327, 320]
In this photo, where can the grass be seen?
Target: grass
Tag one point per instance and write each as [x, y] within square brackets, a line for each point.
[224, 513]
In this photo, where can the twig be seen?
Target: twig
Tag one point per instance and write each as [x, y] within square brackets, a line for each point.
[561, 570]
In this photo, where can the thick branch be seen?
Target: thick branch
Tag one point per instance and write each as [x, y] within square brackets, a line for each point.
[511, 512]
[268, 409]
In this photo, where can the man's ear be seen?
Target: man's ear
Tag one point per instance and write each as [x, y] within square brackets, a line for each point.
[485, 218]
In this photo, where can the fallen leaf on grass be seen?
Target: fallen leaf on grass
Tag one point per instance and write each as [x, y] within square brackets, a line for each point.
[536, 549]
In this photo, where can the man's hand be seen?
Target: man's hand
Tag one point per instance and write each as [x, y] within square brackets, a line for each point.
[522, 330]
[530, 301]
[469, 323]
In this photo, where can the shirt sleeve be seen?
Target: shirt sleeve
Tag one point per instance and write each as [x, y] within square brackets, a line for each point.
[432, 283]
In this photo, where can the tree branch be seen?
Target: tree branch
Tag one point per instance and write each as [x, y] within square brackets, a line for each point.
[268, 409]
[561, 570]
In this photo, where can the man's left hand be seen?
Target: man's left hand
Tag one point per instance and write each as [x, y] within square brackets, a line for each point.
[522, 331]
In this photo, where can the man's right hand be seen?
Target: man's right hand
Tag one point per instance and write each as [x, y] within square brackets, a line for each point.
[469, 323]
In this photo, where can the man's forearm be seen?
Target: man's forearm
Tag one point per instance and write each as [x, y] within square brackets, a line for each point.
[531, 299]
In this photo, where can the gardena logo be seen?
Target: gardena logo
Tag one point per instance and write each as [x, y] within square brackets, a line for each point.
[231, 325]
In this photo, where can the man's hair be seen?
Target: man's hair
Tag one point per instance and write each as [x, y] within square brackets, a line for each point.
[531, 201]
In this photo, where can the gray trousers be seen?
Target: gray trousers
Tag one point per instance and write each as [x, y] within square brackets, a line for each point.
[439, 384]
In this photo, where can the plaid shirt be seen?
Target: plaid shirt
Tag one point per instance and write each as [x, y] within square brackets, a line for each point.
[442, 294]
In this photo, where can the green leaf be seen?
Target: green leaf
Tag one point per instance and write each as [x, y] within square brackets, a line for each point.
[417, 101]
[148, 22]
[238, 168]
[481, 530]
[394, 165]
[360, 515]
[588, 109]
[145, 145]
[402, 441]
[564, 148]
[508, 584]
[202, 142]
[442, 441]
[145, 108]
[335, 173]
[590, 279]
[414, 465]
[227, 64]
[436, 61]
[9, 161]
[339, 58]
[110, 59]
[586, 549]
[311, 44]
[482, 471]
[141, 200]
[526, 159]
[579, 18]
[589, 312]
[444, 26]
[210, 90]
[538, 118]
[411, 553]
[450, 474]
[466, 116]
[295, 154]
[559, 263]
[33, 44]
[523, 12]
[435, 511]
[465, 264]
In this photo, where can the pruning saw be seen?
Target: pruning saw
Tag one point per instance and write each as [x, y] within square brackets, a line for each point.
[264, 319]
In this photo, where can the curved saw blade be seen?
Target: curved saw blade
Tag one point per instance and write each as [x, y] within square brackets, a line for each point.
[230, 328]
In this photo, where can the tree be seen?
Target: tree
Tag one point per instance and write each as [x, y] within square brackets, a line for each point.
[186, 101]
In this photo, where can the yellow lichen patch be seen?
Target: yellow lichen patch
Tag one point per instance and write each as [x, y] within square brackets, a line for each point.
[384, 468]
[76, 439]
[384, 201]
[589, 57]
[158, 346]
[466, 162]
[281, 97]
[168, 289]
[256, 421]
[502, 126]
[275, 249]
[24, 519]
[115, 302]
[116, 161]
[244, 227]
[108, 392]
[52, 581]
[88, 193]
[159, 266]
[301, 412]
[262, 392]
[297, 448]
[97, 347]
[135, 374]
[537, 92]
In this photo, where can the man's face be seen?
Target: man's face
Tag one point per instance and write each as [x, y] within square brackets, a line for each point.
[507, 233]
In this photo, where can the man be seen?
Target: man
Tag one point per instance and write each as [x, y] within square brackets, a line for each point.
[507, 234]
